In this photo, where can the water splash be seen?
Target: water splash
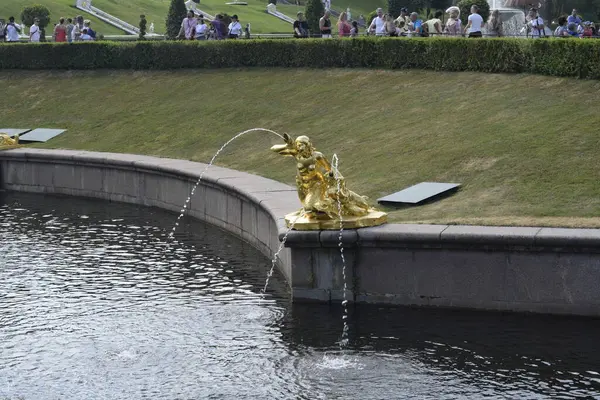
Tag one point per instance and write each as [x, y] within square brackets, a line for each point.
[276, 255]
[187, 201]
[335, 161]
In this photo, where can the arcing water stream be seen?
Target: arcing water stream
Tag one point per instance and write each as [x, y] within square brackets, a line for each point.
[335, 162]
[212, 160]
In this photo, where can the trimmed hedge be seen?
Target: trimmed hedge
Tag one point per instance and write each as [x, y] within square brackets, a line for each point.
[557, 57]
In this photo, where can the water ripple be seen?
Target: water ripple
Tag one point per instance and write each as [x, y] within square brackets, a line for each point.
[97, 303]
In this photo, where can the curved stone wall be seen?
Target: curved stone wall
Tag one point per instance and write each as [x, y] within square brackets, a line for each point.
[546, 270]
[246, 205]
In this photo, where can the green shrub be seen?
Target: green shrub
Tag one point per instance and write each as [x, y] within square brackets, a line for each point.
[313, 12]
[143, 23]
[465, 9]
[29, 14]
[370, 17]
[177, 12]
[394, 7]
[557, 57]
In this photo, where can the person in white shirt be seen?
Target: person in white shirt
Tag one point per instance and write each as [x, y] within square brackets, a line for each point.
[235, 28]
[378, 24]
[85, 36]
[536, 24]
[473, 27]
[12, 31]
[201, 29]
[34, 32]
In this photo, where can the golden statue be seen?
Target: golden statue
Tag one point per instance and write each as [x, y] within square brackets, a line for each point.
[7, 143]
[326, 201]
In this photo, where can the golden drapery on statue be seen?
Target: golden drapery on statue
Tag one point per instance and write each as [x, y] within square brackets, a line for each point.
[323, 193]
[6, 142]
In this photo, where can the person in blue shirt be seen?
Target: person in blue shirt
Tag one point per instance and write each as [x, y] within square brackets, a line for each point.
[415, 26]
[574, 18]
[92, 33]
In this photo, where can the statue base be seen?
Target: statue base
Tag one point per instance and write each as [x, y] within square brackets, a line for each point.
[373, 218]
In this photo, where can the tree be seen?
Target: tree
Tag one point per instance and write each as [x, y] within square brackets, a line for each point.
[313, 13]
[143, 23]
[465, 9]
[394, 7]
[177, 12]
[29, 14]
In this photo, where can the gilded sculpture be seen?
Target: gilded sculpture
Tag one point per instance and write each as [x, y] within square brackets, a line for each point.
[323, 193]
[6, 142]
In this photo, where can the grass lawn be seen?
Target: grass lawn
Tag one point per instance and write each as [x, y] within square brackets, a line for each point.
[524, 147]
[58, 8]
[156, 11]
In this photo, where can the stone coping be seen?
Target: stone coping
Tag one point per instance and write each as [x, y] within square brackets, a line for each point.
[449, 236]
[279, 199]
[274, 197]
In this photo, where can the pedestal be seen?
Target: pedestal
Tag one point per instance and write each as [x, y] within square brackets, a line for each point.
[304, 223]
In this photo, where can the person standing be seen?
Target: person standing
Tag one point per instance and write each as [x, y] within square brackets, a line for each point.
[201, 29]
[60, 31]
[354, 29]
[574, 18]
[434, 25]
[300, 26]
[561, 30]
[235, 28]
[494, 25]
[188, 25]
[34, 31]
[90, 31]
[390, 26]
[473, 27]
[217, 27]
[536, 25]
[453, 26]
[70, 28]
[85, 35]
[378, 24]
[415, 26]
[403, 17]
[325, 25]
[12, 31]
[344, 26]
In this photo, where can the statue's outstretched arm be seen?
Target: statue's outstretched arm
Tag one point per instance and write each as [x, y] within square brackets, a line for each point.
[287, 149]
[284, 150]
[323, 162]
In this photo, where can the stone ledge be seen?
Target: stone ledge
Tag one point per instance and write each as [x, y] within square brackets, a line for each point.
[559, 237]
[395, 234]
[490, 235]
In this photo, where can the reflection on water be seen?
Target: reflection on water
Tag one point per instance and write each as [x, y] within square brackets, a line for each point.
[96, 303]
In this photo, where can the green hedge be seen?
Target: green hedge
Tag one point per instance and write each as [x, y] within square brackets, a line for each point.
[558, 57]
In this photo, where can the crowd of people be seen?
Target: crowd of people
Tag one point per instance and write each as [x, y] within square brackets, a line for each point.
[196, 28]
[411, 25]
[67, 30]
[406, 24]
[573, 26]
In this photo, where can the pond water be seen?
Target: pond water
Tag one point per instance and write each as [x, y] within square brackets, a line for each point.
[96, 303]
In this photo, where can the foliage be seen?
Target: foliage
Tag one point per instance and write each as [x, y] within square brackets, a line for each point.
[313, 12]
[557, 57]
[370, 17]
[143, 24]
[177, 12]
[29, 14]
[394, 7]
[465, 9]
